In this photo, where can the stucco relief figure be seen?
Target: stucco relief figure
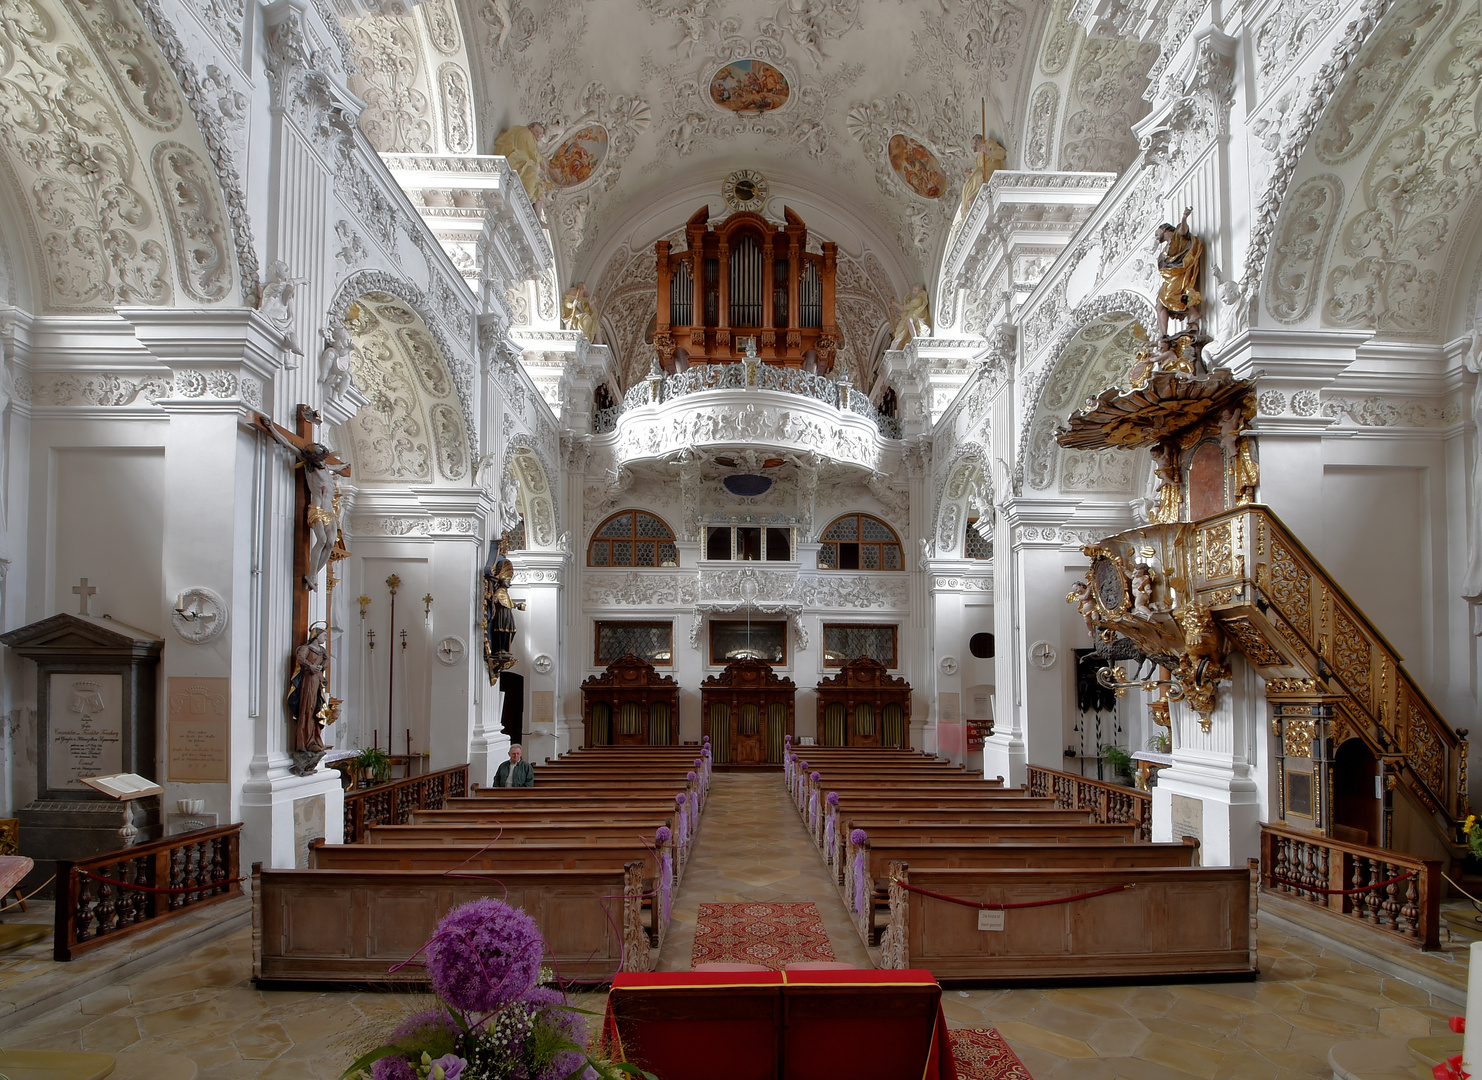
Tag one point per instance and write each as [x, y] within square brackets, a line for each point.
[308, 695]
[1180, 258]
[499, 614]
[914, 319]
[989, 156]
[334, 362]
[577, 312]
[520, 146]
[276, 302]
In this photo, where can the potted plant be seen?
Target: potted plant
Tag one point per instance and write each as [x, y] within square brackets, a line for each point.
[373, 766]
[1118, 759]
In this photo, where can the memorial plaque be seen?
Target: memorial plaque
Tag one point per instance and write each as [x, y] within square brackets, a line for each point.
[542, 706]
[86, 730]
[198, 728]
[1188, 818]
[949, 708]
[308, 825]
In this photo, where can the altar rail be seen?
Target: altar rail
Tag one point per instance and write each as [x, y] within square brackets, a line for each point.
[1328, 873]
[1109, 804]
[746, 376]
[392, 803]
[114, 894]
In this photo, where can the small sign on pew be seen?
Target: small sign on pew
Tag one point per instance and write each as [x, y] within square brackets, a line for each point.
[990, 920]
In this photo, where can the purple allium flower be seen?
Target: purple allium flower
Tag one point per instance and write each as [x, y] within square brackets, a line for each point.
[395, 1067]
[691, 776]
[568, 1022]
[425, 1026]
[815, 776]
[699, 761]
[452, 1066]
[680, 798]
[832, 798]
[707, 738]
[802, 764]
[858, 836]
[787, 738]
[484, 955]
[663, 835]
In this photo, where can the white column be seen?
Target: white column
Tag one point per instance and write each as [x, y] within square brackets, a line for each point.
[538, 582]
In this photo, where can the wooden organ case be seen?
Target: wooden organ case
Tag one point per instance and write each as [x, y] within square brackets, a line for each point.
[746, 278]
[747, 711]
[864, 705]
[630, 704]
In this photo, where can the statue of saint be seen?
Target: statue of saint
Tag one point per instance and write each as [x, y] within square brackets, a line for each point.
[988, 157]
[577, 312]
[1180, 258]
[499, 613]
[520, 146]
[914, 319]
[308, 694]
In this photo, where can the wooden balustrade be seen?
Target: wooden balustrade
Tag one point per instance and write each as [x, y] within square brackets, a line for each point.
[1324, 872]
[392, 803]
[1109, 804]
[114, 894]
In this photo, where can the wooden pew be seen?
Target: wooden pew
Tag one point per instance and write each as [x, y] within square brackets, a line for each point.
[895, 832]
[356, 925]
[1161, 923]
[540, 832]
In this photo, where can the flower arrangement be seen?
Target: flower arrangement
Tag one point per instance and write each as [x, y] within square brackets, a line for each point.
[1473, 836]
[494, 1020]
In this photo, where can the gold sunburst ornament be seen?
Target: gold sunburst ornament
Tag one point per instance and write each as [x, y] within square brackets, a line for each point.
[745, 189]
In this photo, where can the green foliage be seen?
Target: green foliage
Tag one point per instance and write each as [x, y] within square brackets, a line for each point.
[1119, 760]
[374, 761]
[1161, 744]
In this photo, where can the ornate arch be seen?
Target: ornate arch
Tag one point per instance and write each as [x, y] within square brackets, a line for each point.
[529, 473]
[1067, 369]
[969, 473]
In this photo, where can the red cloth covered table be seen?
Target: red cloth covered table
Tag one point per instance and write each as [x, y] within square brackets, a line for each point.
[780, 1025]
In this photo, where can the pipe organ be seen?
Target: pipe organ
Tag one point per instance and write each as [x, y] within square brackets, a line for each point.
[746, 278]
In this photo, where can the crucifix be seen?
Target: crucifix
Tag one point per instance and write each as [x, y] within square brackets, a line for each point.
[84, 593]
[316, 528]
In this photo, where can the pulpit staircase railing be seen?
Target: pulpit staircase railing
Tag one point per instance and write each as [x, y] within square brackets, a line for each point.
[1314, 647]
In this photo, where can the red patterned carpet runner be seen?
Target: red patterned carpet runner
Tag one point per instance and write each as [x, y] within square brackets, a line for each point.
[770, 934]
[981, 1054]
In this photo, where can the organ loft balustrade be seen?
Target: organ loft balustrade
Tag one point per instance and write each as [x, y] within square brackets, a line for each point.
[742, 279]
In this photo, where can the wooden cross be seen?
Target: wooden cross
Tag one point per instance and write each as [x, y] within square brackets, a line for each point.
[302, 443]
[84, 593]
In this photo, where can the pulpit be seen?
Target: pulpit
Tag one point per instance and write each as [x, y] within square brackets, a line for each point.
[864, 705]
[630, 704]
[748, 712]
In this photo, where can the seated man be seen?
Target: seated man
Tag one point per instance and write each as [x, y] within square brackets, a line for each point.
[514, 772]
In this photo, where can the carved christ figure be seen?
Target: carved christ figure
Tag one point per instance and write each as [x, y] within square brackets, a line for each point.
[321, 488]
[1180, 257]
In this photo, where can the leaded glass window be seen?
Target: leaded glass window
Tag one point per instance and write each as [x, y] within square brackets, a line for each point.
[843, 642]
[651, 641]
[633, 538]
[860, 542]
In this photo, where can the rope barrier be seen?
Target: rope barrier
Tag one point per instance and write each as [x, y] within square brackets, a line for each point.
[21, 900]
[209, 886]
[1343, 892]
[1009, 907]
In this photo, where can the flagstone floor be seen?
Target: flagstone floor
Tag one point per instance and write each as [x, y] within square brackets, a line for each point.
[752, 846]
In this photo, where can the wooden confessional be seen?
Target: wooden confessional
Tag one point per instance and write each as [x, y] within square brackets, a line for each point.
[864, 705]
[746, 278]
[747, 711]
[630, 704]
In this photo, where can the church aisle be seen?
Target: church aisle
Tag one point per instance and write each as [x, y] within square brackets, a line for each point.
[752, 846]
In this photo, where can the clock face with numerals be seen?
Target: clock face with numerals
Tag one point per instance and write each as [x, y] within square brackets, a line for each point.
[745, 189]
[450, 650]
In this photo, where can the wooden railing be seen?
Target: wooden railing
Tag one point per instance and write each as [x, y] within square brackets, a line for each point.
[114, 894]
[392, 803]
[1392, 891]
[1109, 804]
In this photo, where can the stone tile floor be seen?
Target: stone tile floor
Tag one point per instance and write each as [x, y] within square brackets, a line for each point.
[752, 846]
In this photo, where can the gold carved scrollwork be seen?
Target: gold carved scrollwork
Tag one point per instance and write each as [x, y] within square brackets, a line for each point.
[1291, 587]
[1219, 597]
[1352, 655]
[1297, 735]
[1291, 686]
[1423, 748]
[1253, 643]
[1216, 559]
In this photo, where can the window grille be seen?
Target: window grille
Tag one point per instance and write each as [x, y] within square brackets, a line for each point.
[843, 642]
[633, 538]
[653, 642]
[860, 542]
[974, 546]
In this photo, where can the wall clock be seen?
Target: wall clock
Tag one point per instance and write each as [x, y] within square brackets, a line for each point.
[745, 189]
[450, 650]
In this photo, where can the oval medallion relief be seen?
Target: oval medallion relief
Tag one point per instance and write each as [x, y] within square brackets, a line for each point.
[917, 166]
[749, 86]
[576, 159]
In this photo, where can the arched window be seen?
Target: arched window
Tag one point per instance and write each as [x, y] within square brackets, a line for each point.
[860, 542]
[632, 538]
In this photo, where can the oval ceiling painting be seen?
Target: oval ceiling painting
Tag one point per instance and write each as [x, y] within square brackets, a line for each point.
[749, 86]
[917, 166]
[576, 159]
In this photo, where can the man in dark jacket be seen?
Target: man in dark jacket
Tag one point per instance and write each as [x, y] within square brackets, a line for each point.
[514, 772]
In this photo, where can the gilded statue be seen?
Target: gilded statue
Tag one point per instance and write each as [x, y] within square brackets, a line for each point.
[308, 692]
[577, 312]
[989, 156]
[914, 318]
[499, 613]
[1180, 258]
[1165, 465]
[520, 146]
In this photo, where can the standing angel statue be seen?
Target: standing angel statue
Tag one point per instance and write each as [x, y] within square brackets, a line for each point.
[1180, 259]
[989, 156]
[520, 146]
[577, 312]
